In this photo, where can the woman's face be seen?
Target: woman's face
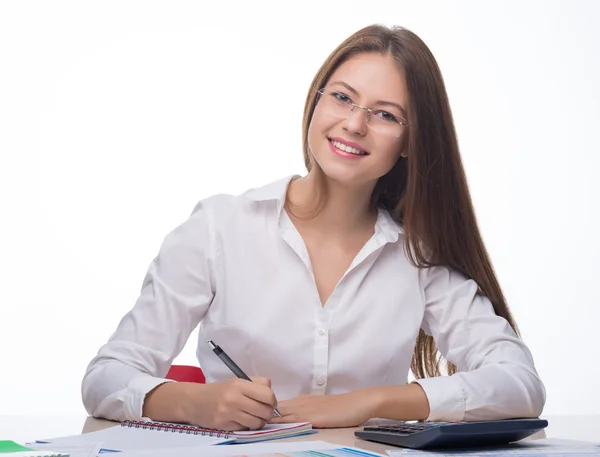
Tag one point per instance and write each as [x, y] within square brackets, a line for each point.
[370, 80]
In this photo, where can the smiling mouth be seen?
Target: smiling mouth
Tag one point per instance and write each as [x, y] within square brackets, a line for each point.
[348, 149]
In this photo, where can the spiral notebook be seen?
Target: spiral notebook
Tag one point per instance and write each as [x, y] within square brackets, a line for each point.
[137, 435]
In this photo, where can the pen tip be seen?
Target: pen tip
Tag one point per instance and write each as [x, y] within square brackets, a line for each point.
[211, 344]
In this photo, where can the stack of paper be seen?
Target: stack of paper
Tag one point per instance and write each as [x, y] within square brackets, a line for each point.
[272, 449]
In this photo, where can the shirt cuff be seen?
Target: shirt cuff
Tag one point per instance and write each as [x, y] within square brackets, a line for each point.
[137, 390]
[446, 398]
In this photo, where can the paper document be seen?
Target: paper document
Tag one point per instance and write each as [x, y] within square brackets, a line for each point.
[34, 454]
[335, 452]
[129, 439]
[73, 450]
[538, 448]
[273, 448]
[11, 449]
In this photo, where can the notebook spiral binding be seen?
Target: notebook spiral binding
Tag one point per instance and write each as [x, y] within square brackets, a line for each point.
[177, 428]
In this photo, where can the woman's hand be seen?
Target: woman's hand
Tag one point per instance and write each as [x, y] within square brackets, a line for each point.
[328, 411]
[234, 404]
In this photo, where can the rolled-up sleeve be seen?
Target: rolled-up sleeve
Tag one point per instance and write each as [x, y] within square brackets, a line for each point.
[497, 378]
[176, 292]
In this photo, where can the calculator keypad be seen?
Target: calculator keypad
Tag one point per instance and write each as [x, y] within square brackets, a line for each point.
[406, 428]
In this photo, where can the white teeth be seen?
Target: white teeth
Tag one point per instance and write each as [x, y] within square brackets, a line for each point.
[345, 148]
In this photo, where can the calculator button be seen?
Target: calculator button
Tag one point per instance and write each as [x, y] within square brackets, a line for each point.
[394, 430]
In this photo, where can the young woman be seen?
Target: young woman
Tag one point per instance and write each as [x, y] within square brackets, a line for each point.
[329, 287]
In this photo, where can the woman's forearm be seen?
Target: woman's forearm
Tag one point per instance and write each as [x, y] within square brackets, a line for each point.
[404, 402]
[166, 403]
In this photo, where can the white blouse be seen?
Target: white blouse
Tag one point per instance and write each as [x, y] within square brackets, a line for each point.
[239, 268]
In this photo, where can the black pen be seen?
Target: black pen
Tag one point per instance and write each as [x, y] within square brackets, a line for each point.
[232, 365]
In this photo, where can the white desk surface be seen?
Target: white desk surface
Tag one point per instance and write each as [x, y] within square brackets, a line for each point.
[29, 428]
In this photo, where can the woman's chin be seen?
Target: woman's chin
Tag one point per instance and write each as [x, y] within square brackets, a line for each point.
[344, 175]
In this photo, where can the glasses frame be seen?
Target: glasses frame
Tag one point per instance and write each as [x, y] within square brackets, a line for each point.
[403, 122]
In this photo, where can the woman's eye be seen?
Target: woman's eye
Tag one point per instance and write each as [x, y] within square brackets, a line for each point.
[387, 116]
[342, 97]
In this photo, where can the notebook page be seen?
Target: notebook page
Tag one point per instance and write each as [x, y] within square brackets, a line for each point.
[273, 432]
[275, 429]
[128, 438]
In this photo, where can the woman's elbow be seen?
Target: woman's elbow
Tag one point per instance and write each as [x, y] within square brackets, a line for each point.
[90, 394]
[537, 396]
[102, 390]
[529, 395]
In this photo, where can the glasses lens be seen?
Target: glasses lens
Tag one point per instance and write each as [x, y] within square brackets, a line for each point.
[386, 123]
[335, 103]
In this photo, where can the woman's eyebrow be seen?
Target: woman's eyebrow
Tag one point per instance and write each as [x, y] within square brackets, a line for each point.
[378, 102]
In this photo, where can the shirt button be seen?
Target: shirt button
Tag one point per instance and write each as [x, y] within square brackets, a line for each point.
[321, 331]
[320, 380]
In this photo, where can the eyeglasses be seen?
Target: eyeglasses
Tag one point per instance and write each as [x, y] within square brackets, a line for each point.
[340, 105]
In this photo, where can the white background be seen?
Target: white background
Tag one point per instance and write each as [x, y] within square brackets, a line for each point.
[116, 117]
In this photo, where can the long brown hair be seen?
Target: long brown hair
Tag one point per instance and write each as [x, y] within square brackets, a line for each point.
[426, 192]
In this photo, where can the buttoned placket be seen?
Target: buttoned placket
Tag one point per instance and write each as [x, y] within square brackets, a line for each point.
[324, 313]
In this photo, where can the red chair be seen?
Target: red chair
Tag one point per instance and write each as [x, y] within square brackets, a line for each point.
[186, 373]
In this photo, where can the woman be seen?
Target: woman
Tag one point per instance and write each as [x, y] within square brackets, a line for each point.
[320, 285]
